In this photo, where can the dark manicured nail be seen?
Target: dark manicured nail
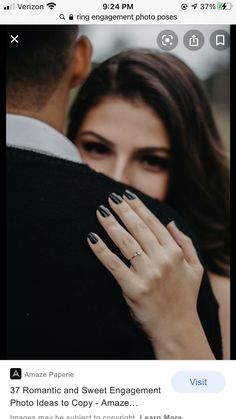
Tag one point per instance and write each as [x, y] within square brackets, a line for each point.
[130, 195]
[92, 238]
[115, 198]
[104, 211]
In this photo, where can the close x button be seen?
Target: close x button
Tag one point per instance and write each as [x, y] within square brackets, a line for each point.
[14, 39]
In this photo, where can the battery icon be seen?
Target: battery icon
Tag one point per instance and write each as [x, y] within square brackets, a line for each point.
[224, 6]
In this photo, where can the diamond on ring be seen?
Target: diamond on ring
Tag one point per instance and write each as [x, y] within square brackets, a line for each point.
[138, 253]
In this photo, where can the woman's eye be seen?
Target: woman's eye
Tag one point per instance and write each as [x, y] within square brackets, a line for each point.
[94, 147]
[155, 162]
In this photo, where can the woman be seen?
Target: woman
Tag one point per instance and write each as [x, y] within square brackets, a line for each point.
[143, 118]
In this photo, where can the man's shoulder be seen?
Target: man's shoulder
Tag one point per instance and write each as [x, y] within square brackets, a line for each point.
[33, 159]
[62, 177]
[59, 176]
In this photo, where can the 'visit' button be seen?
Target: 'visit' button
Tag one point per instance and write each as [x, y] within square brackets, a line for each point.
[198, 381]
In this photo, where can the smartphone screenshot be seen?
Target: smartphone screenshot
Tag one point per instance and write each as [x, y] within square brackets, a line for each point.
[117, 291]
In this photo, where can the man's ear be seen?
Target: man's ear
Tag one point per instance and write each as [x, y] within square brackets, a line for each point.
[82, 61]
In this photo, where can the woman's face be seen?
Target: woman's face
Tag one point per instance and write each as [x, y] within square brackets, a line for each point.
[127, 142]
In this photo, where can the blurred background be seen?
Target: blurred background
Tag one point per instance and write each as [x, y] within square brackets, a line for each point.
[210, 65]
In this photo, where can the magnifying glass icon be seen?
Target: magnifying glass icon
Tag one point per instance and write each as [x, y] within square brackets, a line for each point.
[61, 16]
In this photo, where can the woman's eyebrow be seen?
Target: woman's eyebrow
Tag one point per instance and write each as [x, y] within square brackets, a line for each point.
[153, 150]
[138, 150]
[99, 137]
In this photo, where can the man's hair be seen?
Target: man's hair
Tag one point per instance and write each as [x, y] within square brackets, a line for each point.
[35, 65]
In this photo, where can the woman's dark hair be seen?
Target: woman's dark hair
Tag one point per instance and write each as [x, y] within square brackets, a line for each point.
[199, 169]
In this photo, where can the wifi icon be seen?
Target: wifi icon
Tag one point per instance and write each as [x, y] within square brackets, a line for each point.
[51, 5]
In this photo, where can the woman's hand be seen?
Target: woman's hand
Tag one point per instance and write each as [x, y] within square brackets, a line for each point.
[162, 284]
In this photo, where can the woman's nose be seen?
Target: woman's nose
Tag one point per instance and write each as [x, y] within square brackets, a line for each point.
[120, 172]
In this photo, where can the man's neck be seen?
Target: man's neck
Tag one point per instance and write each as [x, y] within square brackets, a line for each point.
[53, 113]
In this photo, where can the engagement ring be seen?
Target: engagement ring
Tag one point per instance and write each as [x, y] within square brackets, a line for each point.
[138, 253]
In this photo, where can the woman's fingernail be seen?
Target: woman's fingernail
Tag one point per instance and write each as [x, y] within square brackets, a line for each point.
[92, 238]
[174, 224]
[104, 211]
[115, 198]
[130, 195]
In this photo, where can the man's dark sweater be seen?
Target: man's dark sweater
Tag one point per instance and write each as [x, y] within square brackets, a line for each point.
[61, 302]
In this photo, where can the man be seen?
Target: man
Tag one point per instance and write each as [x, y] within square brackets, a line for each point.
[61, 302]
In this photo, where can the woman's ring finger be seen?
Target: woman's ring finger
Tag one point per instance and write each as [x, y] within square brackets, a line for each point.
[137, 253]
